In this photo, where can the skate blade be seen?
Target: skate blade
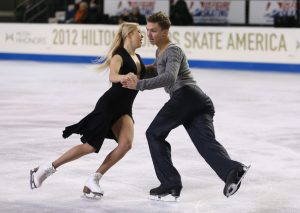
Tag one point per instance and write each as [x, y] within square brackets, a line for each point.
[89, 195]
[92, 196]
[31, 179]
[234, 187]
[166, 198]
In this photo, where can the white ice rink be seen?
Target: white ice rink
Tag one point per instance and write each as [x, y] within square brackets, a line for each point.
[257, 120]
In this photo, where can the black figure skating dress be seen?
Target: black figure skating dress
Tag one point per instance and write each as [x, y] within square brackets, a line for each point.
[115, 102]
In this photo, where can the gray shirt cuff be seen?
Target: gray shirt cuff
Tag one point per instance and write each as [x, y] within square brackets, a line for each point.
[140, 85]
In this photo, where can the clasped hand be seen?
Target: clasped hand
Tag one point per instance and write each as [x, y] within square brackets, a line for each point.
[129, 81]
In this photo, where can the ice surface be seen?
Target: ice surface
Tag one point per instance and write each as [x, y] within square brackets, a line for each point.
[257, 120]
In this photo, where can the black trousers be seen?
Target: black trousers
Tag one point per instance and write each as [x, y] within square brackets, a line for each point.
[190, 107]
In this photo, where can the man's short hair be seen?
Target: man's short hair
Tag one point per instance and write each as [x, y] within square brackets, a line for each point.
[161, 18]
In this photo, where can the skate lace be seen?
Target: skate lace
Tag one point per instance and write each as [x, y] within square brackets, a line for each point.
[96, 181]
[49, 171]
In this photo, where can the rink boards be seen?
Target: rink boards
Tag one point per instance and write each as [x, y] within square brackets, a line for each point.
[241, 48]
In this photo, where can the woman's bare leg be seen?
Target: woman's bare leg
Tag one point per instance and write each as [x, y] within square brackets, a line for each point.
[123, 130]
[39, 174]
[73, 154]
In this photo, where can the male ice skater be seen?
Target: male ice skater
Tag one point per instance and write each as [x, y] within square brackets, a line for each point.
[188, 106]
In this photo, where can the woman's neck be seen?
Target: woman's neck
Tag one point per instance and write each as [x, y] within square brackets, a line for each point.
[129, 49]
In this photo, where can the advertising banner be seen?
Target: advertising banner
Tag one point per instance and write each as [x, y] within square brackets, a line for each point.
[239, 44]
[147, 7]
[263, 12]
[217, 11]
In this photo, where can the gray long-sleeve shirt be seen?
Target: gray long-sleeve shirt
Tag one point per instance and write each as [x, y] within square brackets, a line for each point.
[172, 69]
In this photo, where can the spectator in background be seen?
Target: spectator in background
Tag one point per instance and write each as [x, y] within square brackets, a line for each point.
[124, 17]
[95, 14]
[72, 8]
[133, 16]
[136, 16]
[93, 4]
[70, 13]
[180, 14]
[82, 13]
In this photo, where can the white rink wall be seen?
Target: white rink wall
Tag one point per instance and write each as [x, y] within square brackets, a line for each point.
[274, 49]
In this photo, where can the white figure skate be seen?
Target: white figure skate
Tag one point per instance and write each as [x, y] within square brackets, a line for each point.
[39, 174]
[92, 189]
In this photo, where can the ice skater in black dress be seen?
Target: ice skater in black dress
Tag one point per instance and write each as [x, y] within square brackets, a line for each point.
[112, 116]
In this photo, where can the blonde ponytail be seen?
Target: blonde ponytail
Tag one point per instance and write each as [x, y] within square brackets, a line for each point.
[122, 33]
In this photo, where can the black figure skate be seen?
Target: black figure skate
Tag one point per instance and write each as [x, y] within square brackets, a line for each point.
[162, 193]
[234, 179]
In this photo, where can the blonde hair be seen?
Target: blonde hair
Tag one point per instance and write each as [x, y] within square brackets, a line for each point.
[123, 31]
